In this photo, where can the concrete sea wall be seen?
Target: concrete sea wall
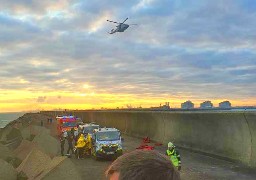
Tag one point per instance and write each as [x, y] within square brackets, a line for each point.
[226, 134]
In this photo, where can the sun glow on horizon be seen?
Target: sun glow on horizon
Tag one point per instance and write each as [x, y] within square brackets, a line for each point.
[59, 55]
[13, 101]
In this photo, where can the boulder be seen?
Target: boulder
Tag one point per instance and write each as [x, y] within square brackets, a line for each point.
[5, 153]
[11, 137]
[4, 133]
[35, 130]
[60, 168]
[25, 132]
[13, 134]
[34, 163]
[47, 144]
[7, 172]
[24, 149]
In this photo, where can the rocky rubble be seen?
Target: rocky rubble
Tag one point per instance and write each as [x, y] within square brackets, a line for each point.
[30, 151]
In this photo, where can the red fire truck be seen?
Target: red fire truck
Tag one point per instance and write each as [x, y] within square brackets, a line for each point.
[66, 123]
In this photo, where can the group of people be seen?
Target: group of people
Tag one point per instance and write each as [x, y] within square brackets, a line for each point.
[137, 165]
[82, 145]
[49, 120]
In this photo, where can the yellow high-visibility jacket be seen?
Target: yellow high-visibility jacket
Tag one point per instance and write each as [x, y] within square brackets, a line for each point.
[89, 141]
[80, 142]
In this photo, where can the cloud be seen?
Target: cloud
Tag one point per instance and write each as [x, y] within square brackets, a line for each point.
[33, 6]
[41, 99]
[195, 48]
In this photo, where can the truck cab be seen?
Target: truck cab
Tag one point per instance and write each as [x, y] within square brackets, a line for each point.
[66, 123]
[106, 142]
[88, 128]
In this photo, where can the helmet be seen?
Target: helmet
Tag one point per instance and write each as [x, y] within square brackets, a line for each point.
[170, 145]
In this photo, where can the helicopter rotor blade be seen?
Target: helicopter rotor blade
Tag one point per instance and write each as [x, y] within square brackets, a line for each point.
[124, 21]
[113, 22]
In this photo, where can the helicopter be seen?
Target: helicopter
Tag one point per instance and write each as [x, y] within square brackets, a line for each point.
[121, 27]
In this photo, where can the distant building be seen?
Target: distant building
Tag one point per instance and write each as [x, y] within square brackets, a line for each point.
[225, 104]
[187, 105]
[206, 105]
[166, 106]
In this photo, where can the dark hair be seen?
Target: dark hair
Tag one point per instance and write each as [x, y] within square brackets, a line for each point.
[143, 165]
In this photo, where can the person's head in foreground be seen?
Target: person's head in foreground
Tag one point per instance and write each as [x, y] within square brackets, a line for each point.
[142, 165]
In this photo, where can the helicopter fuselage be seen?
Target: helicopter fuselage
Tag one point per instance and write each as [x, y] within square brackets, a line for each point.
[122, 27]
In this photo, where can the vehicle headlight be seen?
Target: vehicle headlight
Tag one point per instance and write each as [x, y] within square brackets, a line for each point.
[99, 146]
[119, 147]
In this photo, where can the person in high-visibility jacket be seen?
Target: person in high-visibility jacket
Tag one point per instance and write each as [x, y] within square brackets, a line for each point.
[80, 145]
[88, 145]
[174, 155]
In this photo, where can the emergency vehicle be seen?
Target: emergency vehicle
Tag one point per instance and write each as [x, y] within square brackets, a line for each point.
[106, 142]
[66, 123]
[88, 128]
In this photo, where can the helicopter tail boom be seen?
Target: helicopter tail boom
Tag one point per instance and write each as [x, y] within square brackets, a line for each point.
[113, 22]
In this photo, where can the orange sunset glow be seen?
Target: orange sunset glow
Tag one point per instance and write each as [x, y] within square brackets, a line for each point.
[60, 55]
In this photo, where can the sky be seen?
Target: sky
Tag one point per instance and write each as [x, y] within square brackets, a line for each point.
[58, 54]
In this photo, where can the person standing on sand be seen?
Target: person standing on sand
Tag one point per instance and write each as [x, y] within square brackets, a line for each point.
[62, 143]
[80, 146]
[72, 131]
[76, 135]
[65, 134]
[70, 139]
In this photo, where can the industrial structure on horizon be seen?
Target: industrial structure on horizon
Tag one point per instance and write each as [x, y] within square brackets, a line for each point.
[206, 105]
[187, 105]
[190, 105]
[166, 106]
[225, 104]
